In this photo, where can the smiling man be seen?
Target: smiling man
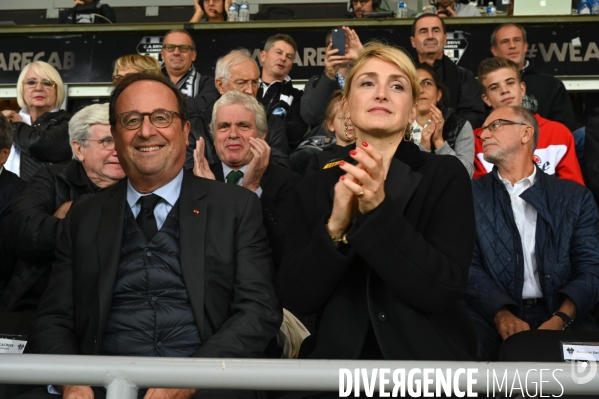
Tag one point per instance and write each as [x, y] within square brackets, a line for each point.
[178, 53]
[545, 94]
[238, 129]
[164, 264]
[429, 37]
[555, 153]
[537, 240]
[276, 91]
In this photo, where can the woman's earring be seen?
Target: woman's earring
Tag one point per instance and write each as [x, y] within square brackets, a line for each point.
[345, 131]
[407, 133]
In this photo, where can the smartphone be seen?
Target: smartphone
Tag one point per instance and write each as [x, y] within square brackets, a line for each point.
[338, 39]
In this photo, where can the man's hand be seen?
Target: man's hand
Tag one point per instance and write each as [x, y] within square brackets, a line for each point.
[450, 12]
[554, 323]
[253, 174]
[61, 212]
[78, 2]
[332, 62]
[353, 45]
[200, 163]
[76, 392]
[161, 393]
[508, 324]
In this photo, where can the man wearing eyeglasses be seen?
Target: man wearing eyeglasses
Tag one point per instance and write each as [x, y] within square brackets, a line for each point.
[235, 71]
[38, 216]
[178, 53]
[164, 264]
[555, 152]
[537, 249]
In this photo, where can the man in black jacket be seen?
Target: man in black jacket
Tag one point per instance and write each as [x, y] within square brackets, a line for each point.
[463, 92]
[235, 71]
[38, 217]
[238, 129]
[276, 91]
[545, 94]
[88, 12]
[162, 264]
[10, 188]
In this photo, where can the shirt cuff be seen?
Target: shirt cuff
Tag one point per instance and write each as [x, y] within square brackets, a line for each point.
[52, 390]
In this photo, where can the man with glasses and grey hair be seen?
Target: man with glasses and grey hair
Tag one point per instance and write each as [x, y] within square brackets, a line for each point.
[235, 71]
[535, 262]
[238, 130]
[163, 264]
[38, 216]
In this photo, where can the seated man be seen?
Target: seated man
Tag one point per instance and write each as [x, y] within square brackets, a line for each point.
[235, 71]
[238, 128]
[276, 91]
[554, 153]
[88, 12]
[10, 188]
[38, 217]
[451, 8]
[545, 94]
[163, 263]
[357, 8]
[537, 240]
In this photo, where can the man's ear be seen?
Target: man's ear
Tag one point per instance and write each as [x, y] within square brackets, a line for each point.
[262, 57]
[219, 85]
[494, 51]
[4, 153]
[76, 147]
[412, 41]
[528, 134]
[486, 100]
[186, 130]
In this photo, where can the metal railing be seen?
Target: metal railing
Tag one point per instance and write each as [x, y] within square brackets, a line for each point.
[123, 376]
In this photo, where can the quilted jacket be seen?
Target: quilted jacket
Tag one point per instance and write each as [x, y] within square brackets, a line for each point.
[566, 242]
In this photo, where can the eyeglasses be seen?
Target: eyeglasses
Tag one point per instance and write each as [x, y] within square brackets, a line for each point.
[46, 83]
[184, 48]
[362, 2]
[242, 84]
[107, 142]
[160, 118]
[213, 1]
[498, 124]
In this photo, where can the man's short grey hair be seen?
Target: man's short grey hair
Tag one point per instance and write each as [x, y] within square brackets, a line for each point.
[82, 121]
[235, 97]
[228, 61]
[5, 133]
[527, 117]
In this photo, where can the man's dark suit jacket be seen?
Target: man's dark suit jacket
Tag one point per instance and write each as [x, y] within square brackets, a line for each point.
[224, 257]
[11, 187]
[278, 185]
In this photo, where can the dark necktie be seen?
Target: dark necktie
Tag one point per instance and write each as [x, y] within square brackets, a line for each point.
[146, 219]
[234, 176]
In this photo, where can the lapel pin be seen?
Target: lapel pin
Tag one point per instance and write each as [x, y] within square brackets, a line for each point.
[196, 211]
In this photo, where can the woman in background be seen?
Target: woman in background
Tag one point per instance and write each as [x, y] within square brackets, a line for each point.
[40, 129]
[135, 63]
[210, 10]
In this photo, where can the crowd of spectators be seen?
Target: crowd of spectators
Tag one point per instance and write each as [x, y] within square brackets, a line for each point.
[383, 206]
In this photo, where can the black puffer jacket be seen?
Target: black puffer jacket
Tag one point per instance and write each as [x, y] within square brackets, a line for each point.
[34, 230]
[46, 141]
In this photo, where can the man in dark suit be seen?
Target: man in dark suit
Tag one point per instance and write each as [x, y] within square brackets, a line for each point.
[163, 263]
[10, 188]
[238, 129]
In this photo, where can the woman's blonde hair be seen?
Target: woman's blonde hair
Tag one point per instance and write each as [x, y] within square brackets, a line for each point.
[45, 71]
[390, 54]
[139, 63]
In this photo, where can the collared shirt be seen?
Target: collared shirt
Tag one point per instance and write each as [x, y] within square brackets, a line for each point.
[525, 216]
[169, 193]
[227, 170]
[417, 132]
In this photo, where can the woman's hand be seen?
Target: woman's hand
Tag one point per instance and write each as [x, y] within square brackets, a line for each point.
[198, 12]
[12, 116]
[368, 183]
[438, 124]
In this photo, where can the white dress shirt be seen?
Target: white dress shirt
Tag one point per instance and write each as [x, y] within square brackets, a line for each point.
[169, 193]
[525, 217]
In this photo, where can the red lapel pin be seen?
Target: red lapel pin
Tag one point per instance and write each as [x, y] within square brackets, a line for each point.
[196, 211]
